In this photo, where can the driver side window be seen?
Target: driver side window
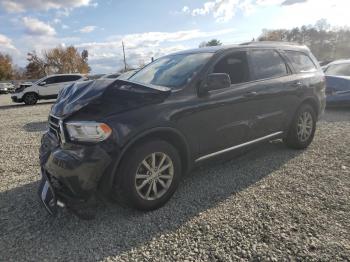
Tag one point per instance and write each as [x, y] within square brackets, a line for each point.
[235, 65]
[49, 80]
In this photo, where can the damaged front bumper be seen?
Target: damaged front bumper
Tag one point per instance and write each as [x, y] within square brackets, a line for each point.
[74, 171]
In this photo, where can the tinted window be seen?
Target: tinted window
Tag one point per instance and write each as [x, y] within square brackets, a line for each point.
[267, 64]
[301, 62]
[51, 80]
[67, 78]
[339, 70]
[173, 70]
[235, 65]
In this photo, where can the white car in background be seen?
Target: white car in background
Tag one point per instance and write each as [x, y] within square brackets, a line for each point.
[6, 88]
[45, 88]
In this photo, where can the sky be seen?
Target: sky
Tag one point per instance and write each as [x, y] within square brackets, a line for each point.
[149, 28]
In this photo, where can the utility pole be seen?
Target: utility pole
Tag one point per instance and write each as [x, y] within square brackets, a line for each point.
[124, 57]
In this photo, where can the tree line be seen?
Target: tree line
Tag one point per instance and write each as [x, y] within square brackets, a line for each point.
[325, 42]
[59, 60]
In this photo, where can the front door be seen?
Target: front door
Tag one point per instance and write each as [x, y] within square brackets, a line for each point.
[224, 117]
[50, 88]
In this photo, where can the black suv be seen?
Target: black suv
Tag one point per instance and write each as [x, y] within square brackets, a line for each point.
[134, 139]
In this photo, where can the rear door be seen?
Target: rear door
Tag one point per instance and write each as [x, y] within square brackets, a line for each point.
[271, 76]
[306, 80]
[49, 89]
[66, 80]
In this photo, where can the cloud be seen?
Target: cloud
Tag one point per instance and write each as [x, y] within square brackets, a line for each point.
[224, 10]
[336, 12]
[6, 43]
[141, 47]
[34, 26]
[292, 2]
[15, 6]
[186, 9]
[87, 29]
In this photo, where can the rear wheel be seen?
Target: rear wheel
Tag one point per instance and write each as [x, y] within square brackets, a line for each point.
[302, 130]
[30, 99]
[148, 176]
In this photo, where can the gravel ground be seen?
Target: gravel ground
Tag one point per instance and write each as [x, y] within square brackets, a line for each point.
[272, 203]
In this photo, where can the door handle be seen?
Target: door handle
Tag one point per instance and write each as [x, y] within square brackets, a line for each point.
[297, 84]
[250, 94]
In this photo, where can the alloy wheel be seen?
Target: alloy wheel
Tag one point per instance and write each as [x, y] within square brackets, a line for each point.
[30, 99]
[304, 126]
[154, 176]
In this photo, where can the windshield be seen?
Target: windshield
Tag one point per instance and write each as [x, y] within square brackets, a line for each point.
[339, 70]
[172, 71]
[41, 79]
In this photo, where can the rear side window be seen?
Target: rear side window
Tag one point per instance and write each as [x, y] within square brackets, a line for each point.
[339, 70]
[67, 78]
[72, 78]
[301, 62]
[235, 65]
[51, 80]
[267, 64]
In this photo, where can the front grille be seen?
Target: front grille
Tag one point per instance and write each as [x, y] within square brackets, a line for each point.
[54, 127]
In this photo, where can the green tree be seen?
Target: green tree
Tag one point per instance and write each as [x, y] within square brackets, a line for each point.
[213, 42]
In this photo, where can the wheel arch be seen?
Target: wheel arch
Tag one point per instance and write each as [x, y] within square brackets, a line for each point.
[312, 102]
[168, 134]
[31, 92]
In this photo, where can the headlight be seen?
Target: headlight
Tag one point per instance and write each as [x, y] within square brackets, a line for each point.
[86, 131]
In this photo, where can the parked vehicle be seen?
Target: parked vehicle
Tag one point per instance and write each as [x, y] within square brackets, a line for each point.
[134, 140]
[6, 88]
[338, 83]
[112, 76]
[45, 88]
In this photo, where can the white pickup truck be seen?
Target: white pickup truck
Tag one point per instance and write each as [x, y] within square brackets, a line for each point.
[45, 88]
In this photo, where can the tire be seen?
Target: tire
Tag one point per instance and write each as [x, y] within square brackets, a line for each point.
[302, 129]
[30, 98]
[125, 186]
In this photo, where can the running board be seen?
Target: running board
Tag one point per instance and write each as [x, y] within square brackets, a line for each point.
[238, 146]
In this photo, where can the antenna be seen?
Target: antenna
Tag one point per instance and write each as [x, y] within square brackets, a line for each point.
[124, 56]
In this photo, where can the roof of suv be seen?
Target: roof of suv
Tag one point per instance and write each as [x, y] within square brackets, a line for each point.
[72, 74]
[263, 44]
[337, 62]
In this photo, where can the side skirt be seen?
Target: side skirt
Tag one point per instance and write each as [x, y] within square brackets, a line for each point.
[273, 135]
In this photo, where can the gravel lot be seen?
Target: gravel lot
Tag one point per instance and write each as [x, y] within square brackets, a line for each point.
[272, 203]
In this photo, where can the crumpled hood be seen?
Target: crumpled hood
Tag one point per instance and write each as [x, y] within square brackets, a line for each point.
[106, 97]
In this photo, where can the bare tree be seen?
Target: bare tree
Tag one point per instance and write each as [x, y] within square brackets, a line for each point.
[59, 60]
[6, 70]
[325, 42]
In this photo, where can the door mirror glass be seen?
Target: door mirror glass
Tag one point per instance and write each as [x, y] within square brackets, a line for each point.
[217, 81]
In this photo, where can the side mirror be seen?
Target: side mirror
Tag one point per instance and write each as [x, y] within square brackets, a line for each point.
[216, 81]
[42, 83]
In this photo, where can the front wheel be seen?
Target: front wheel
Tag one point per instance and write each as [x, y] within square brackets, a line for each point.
[148, 176]
[302, 129]
[30, 99]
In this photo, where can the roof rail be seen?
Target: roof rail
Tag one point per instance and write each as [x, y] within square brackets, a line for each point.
[269, 43]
